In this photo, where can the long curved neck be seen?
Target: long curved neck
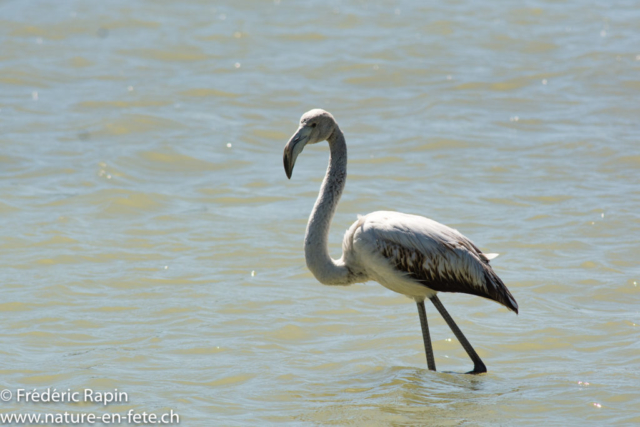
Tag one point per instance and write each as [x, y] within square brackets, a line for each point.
[325, 269]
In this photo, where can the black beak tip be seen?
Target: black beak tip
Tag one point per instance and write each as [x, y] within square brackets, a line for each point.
[286, 167]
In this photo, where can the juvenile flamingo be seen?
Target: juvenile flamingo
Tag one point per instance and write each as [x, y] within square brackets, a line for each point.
[408, 254]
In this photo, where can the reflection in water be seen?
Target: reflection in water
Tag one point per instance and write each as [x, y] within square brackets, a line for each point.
[400, 395]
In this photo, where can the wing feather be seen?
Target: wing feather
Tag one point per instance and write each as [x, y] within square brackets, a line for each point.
[434, 255]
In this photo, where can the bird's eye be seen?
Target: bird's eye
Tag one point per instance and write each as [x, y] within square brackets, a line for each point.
[313, 125]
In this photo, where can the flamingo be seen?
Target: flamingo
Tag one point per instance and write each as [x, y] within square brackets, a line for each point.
[408, 254]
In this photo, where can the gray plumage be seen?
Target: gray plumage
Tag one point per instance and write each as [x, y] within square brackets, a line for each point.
[409, 254]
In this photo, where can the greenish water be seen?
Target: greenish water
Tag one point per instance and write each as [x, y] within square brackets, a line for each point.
[152, 243]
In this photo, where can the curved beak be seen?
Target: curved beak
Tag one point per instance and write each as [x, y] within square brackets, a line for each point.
[294, 147]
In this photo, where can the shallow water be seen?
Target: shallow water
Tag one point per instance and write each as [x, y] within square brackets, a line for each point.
[152, 243]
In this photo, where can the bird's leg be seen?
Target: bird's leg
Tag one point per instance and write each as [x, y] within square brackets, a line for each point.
[425, 336]
[478, 366]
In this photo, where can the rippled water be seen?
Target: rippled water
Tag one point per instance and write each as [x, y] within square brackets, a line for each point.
[152, 243]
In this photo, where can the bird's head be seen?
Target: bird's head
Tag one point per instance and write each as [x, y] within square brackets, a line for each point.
[315, 126]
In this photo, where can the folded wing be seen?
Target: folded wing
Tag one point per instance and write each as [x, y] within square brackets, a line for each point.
[434, 255]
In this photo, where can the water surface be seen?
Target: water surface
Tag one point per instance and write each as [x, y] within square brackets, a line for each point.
[152, 243]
